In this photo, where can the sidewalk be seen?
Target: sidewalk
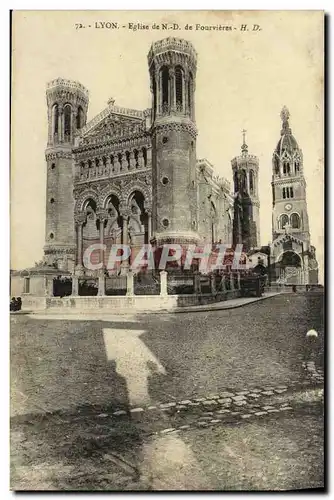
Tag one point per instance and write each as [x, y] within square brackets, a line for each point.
[110, 315]
[225, 304]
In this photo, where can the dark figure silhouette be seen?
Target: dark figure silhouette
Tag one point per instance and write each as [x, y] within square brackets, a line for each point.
[15, 304]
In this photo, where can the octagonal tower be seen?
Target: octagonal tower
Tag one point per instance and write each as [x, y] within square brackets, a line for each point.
[172, 66]
[67, 103]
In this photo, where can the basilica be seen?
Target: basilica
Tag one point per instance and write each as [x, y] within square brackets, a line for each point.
[132, 177]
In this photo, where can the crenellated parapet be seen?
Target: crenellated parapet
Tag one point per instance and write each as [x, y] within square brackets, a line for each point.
[172, 51]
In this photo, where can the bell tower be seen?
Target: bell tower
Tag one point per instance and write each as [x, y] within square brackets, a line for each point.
[246, 223]
[289, 186]
[172, 67]
[67, 103]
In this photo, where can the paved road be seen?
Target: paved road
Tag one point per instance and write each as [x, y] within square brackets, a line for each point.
[248, 430]
[66, 364]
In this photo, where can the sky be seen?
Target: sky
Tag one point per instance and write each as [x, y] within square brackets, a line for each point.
[244, 78]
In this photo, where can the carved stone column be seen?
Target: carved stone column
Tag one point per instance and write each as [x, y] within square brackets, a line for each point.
[79, 222]
[107, 166]
[124, 213]
[148, 211]
[132, 163]
[172, 103]
[117, 165]
[149, 156]
[149, 224]
[129, 284]
[140, 159]
[163, 283]
[73, 124]
[102, 216]
[60, 123]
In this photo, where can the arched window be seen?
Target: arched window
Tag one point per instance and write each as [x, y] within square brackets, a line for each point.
[55, 119]
[276, 166]
[179, 86]
[136, 155]
[295, 221]
[290, 192]
[286, 167]
[284, 193]
[244, 180]
[144, 156]
[80, 118]
[67, 122]
[190, 89]
[251, 182]
[165, 86]
[297, 165]
[284, 219]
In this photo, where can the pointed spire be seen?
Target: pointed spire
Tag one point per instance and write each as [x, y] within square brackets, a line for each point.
[285, 115]
[244, 147]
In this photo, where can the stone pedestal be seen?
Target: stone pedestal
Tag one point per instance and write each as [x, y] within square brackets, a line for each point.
[163, 283]
[197, 283]
[223, 285]
[231, 282]
[129, 284]
[48, 287]
[102, 284]
[75, 285]
[213, 283]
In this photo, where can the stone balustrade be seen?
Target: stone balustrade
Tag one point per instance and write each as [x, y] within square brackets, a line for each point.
[114, 164]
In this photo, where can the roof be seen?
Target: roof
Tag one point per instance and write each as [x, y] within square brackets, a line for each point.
[286, 142]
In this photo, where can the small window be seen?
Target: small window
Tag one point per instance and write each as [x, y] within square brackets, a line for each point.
[52, 200]
[164, 140]
[286, 168]
[165, 180]
[52, 236]
[26, 286]
[295, 221]
[284, 193]
[165, 222]
[291, 192]
[53, 166]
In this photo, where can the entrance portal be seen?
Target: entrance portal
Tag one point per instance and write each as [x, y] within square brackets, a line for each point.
[290, 268]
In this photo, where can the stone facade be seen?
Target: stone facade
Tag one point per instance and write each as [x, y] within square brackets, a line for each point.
[131, 176]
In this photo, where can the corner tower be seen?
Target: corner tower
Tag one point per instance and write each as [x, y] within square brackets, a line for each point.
[172, 67]
[67, 103]
[289, 186]
[246, 223]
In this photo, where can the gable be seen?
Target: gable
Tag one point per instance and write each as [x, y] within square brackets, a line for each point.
[113, 121]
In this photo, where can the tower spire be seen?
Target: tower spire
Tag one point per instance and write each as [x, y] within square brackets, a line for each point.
[285, 115]
[244, 147]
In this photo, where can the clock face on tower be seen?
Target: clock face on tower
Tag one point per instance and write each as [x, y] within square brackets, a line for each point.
[288, 206]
